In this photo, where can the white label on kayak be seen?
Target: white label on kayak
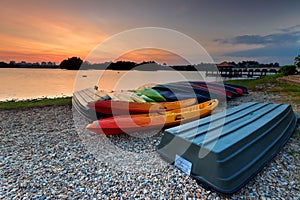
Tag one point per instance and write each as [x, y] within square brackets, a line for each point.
[183, 164]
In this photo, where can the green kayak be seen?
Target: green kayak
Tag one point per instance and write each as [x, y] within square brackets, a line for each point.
[146, 98]
[151, 93]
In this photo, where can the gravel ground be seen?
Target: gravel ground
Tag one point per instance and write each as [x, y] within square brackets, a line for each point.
[45, 155]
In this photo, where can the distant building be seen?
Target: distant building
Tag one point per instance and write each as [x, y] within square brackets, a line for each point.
[225, 65]
[22, 63]
[12, 62]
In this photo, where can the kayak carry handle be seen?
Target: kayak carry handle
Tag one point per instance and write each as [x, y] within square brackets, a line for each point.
[178, 117]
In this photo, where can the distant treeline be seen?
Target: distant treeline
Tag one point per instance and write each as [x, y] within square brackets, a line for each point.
[76, 63]
[253, 64]
[153, 66]
[28, 65]
[148, 66]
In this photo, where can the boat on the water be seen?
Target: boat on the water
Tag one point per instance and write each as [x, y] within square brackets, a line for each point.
[125, 107]
[227, 149]
[139, 122]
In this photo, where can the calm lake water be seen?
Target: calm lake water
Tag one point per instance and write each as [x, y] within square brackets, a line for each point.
[38, 83]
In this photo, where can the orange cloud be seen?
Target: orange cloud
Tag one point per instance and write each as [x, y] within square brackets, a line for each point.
[150, 54]
[42, 34]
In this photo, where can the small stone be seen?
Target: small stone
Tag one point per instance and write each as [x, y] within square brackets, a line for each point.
[23, 184]
[63, 196]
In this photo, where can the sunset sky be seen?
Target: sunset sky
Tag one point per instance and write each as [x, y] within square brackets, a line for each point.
[232, 30]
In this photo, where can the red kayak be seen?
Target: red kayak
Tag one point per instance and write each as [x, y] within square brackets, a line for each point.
[124, 107]
[139, 122]
[227, 87]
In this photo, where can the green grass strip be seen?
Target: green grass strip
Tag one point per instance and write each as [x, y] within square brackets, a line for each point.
[7, 105]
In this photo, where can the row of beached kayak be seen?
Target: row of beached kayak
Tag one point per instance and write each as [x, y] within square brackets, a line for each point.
[162, 105]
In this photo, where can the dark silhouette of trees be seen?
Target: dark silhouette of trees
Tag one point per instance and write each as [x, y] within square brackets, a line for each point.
[23, 64]
[122, 65]
[73, 63]
[297, 60]
[288, 70]
[254, 64]
[4, 65]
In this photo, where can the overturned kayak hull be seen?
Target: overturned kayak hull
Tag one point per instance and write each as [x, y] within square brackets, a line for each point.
[129, 123]
[227, 149]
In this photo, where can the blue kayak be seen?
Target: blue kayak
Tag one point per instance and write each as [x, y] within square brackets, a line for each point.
[213, 92]
[177, 94]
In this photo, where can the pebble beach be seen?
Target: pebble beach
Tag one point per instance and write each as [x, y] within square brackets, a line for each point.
[45, 153]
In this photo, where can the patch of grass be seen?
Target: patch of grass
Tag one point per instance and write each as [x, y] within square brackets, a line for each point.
[270, 84]
[252, 83]
[35, 103]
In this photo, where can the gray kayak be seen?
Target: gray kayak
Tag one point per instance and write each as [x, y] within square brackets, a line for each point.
[225, 150]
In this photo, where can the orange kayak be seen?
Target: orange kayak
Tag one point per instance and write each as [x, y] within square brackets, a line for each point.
[125, 107]
[130, 123]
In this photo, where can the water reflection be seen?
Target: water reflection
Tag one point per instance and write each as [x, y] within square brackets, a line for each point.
[38, 83]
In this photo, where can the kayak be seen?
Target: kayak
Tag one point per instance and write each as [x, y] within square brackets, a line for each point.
[147, 99]
[207, 91]
[212, 90]
[243, 88]
[127, 96]
[175, 94]
[234, 90]
[172, 96]
[153, 94]
[125, 107]
[130, 123]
